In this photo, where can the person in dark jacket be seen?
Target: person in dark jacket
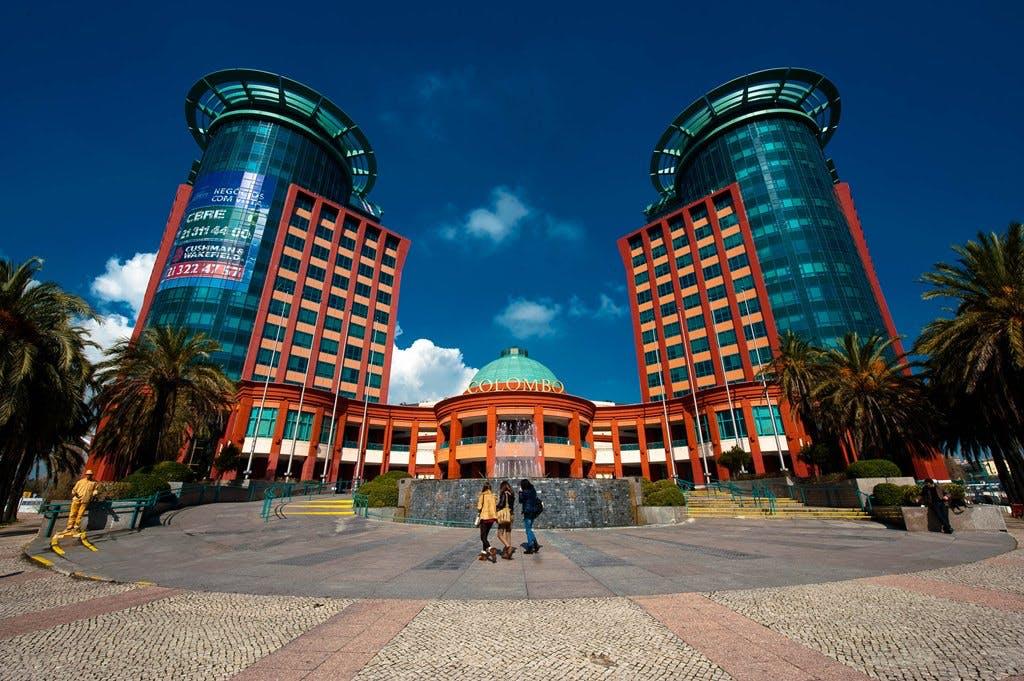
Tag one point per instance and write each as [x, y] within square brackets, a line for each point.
[506, 507]
[934, 498]
[530, 503]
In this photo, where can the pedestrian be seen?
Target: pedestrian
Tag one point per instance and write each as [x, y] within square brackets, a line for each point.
[505, 508]
[486, 515]
[935, 499]
[532, 507]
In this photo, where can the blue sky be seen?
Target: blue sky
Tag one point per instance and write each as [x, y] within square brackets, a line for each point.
[513, 145]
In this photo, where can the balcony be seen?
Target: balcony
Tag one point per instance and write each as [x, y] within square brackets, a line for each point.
[399, 448]
[475, 440]
[555, 440]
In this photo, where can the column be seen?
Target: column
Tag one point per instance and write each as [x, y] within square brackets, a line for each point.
[716, 445]
[339, 436]
[576, 470]
[456, 433]
[696, 467]
[388, 435]
[438, 439]
[616, 449]
[755, 445]
[792, 429]
[492, 436]
[593, 450]
[538, 424]
[414, 436]
[275, 444]
[309, 466]
[666, 438]
[641, 436]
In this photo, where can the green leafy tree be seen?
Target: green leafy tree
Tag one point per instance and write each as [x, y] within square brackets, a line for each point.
[155, 391]
[867, 397]
[818, 456]
[44, 379]
[735, 459]
[797, 369]
[976, 357]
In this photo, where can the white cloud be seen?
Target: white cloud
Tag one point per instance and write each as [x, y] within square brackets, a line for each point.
[425, 372]
[125, 282]
[106, 331]
[505, 217]
[606, 308]
[564, 229]
[529, 318]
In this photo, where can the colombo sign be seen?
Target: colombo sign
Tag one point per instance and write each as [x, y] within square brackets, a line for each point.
[541, 385]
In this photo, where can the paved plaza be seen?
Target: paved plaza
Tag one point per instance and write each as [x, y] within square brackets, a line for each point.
[214, 593]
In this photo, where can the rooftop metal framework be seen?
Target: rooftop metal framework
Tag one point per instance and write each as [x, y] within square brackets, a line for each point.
[234, 93]
[787, 91]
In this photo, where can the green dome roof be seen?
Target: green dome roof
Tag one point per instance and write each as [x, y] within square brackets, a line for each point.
[514, 365]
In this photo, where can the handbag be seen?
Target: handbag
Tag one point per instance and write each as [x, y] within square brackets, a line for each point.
[504, 516]
[476, 522]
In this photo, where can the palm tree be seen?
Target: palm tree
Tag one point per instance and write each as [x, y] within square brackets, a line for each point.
[976, 357]
[797, 369]
[868, 398]
[154, 392]
[44, 377]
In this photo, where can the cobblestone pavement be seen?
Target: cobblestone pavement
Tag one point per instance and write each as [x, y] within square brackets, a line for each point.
[960, 622]
[556, 639]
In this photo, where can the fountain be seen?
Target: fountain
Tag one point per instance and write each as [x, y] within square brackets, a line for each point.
[516, 450]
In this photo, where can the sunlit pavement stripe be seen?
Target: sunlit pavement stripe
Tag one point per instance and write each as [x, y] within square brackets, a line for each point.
[338, 648]
[53, 617]
[746, 650]
[1000, 600]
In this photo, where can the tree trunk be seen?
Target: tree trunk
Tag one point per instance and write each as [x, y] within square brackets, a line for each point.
[1011, 483]
[17, 486]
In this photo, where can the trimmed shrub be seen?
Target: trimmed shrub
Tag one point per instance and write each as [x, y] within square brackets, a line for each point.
[662, 493]
[887, 494]
[172, 471]
[735, 459]
[383, 490]
[144, 484]
[108, 491]
[873, 468]
[956, 493]
[911, 495]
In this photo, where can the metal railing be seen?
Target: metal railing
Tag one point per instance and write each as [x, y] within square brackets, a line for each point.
[475, 440]
[399, 448]
[556, 440]
[136, 506]
[288, 490]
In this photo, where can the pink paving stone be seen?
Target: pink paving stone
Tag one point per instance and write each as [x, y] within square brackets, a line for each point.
[1000, 600]
[53, 617]
[338, 648]
[746, 650]
[24, 577]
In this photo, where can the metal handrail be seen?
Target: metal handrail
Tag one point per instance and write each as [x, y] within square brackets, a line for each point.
[556, 440]
[361, 504]
[474, 440]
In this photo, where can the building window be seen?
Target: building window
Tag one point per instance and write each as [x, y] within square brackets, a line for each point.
[313, 295]
[643, 297]
[373, 381]
[707, 251]
[296, 363]
[348, 243]
[699, 345]
[329, 346]
[332, 323]
[316, 273]
[325, 233]
[712, 271]
[694, 323]
[379, 337]
[387, 279]
[651, 357]
[381, 317]
[665, 289]
[272, 331]
[680, 242]
[641, 278]
[679, 374]
[738, 261]
[716, 293]
[336, 302]
[647, 336]
[267, 356]
[324, 369]
[307, 316]
[744, 283]
[344, 261]
[388, 261]
[662, 269]
[750, 305]
[728, 221]
[732, 362]
[279, 307]
[646, 316]
[674, 351]
[320, 252]
[267, 418]
[653, 380]
[305, 424]
[727, 337]
[727, 426]
[362, 290]
[657, 252]
[733, 240]
[289, 263]
[365, 270]
[339, 281]
[702, 232]
[350, 375]
[722, 314]
[755, 330]
[356, 330]
[668, 309]
[369, 251]
[688, 280]
[284, 285]
[760, 356]
[684, 260]
[672, 330]
[705, 368]
[302, 339]
[639, 260]
[763, 421]
[328, 432]
[360, 310]
[691, 301]
[353, 352]
[376, 358]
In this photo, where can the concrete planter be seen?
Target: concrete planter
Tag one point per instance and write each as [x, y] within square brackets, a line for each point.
[987, 518]
[662, 515]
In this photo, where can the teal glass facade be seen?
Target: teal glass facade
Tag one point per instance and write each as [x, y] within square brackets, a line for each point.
[282, 156]
[812, 270]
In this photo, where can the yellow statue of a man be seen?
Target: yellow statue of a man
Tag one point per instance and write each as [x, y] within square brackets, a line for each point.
[81, 495]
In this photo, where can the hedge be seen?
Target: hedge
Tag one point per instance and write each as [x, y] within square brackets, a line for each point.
[662, 493]
[888, 494]
[383, 490]
[873, 468]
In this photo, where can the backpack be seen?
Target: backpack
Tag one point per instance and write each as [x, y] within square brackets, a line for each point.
[538, 507]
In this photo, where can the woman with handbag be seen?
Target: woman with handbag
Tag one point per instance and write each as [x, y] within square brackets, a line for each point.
[486, 515]
[506, 505]
[532, 507]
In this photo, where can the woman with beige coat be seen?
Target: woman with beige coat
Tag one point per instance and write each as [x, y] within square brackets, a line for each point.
[487, 512]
